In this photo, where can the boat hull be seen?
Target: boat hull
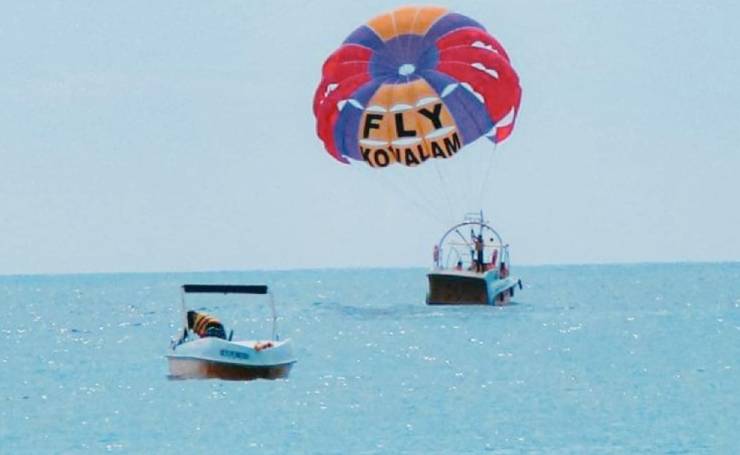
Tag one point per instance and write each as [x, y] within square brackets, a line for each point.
[190, 368]
[453, 287]
[215, 358]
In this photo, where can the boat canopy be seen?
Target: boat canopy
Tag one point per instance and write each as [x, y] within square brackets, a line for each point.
[224, 289]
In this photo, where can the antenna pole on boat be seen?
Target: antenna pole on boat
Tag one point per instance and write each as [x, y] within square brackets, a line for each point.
[274, 316]
[184, 309]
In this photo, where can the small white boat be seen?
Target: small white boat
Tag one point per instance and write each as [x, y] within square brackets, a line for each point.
[471, 266]
[202, 354]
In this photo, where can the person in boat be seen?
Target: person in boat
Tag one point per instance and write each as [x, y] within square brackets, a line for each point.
[478, 243]
[503, 271]
[436, 256]
[205, 325]
[494, 257]
[459, 265]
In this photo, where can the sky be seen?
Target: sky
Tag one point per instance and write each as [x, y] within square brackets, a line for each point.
[179, 136]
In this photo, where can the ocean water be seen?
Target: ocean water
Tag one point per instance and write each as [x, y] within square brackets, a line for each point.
[589, 359]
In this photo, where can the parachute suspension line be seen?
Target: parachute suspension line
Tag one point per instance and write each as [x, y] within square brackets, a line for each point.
[446, 190]
[484, 181]
[481, 167]
[420, 190]
[394, 190]
[416, 193]
[420, 203]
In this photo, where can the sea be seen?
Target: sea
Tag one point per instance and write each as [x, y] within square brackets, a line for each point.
[596, 359]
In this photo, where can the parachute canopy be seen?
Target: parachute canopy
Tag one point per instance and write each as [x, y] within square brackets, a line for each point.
[414, 84]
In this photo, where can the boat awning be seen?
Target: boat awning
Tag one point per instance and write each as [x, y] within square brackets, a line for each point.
[224, 289]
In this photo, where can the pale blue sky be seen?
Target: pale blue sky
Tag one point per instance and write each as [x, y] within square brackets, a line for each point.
[173, 136]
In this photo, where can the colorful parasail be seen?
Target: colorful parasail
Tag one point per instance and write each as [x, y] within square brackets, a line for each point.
[414, 84]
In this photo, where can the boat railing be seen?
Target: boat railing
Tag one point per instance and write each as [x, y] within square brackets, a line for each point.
[461, 252]
[470, 245]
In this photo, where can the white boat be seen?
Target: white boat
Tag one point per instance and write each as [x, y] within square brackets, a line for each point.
[471, 266]
[195, 357]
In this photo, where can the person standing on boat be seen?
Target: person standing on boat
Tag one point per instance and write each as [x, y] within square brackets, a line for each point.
[503, 270]
[494, 257]
[478, 242]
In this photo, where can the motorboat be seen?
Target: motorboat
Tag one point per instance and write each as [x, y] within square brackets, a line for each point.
[203, 353]
[471, 266]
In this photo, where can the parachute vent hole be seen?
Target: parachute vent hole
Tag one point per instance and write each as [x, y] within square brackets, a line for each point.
[406, 69]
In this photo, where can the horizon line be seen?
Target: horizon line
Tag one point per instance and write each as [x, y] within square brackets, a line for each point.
[350, 268]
